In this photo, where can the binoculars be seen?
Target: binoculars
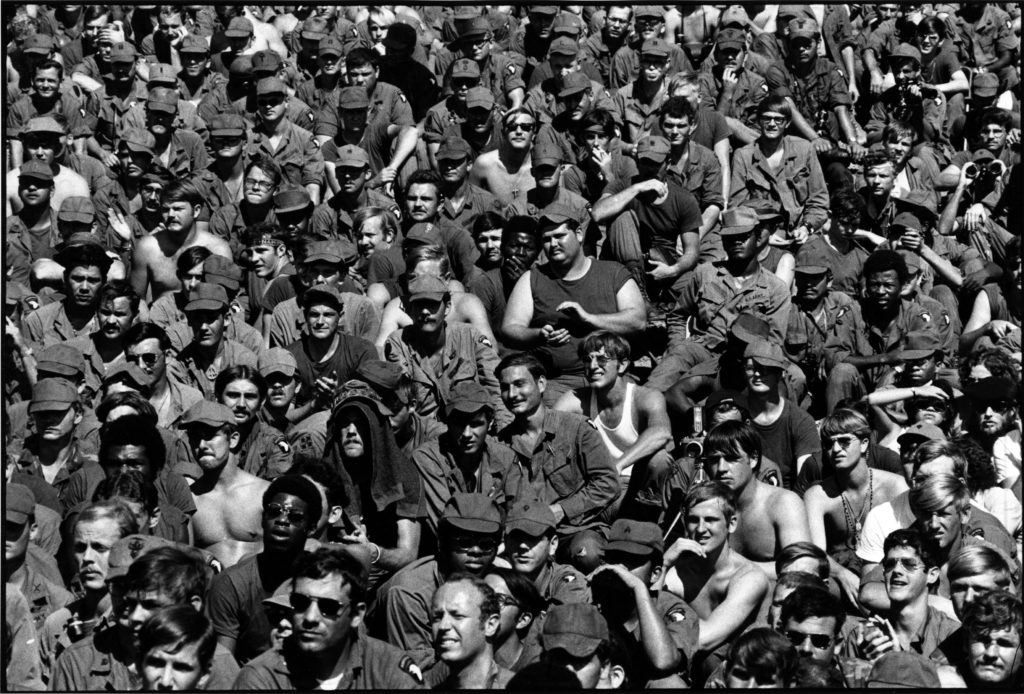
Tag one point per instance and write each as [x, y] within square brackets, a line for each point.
[993, 169]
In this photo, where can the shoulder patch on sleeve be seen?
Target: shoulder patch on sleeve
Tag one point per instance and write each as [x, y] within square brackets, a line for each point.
[772, 478]
[511, 68]
[485, 341]
[401, 95]
[283, 446]
[926, 317]
[568, 578]
[409, 666]
[677, 615]
[840, 72]
[764, 88]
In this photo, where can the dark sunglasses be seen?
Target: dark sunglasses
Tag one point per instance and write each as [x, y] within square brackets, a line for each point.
[908, 564]
[275, 511]
[525, 127]
[147, 358]
[329, 607]
[819, 641]
[486, 544]
[507, 601]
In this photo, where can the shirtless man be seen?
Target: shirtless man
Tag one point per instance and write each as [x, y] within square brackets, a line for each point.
[155, 258]
[228, 522]
[506, 171]
[769, 517]
[632, 421]
[723, 587]
[843, 499]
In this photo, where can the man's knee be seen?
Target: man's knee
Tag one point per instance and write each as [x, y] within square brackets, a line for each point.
[624, 238]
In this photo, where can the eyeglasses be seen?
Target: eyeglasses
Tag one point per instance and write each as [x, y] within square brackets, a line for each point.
[507, 601]
[908, 564]
[275, 511]
[843, 441]
[773, 119]
[147, 358]
[525, 127]
[329, 607]
[819, 641]
[601, 359]
[930, 404]
[258, 185]
[1000, 406]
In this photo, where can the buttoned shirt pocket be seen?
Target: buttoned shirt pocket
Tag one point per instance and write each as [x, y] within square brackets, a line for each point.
[563, 479]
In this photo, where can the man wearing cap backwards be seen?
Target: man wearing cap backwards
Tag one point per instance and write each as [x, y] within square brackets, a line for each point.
[328, 648]
[154, 257]
[658, 629]
[469, 533]
[350, 180]
[723, 587]
[46, 99]
[575, 637]
[85, 269]
[46, 138]
[464, 458]
[867, 337]
[627, 62]
[320, 262]
[227, 522]
[20, 571]
[210, 351]
[499, 72]
[326, 356]
[651, 216]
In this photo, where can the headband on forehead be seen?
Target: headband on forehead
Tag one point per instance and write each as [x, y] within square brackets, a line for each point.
[264, 240]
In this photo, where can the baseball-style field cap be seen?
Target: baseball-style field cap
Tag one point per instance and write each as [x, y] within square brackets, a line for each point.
[37, 170]
[123, 52]
[653, 148]
[731, 38]
[330, 45]
[921, 431]
[427, 287]
[576, 628]
[239, 28]
[546, 154]
[322, 294]
[223, 271]
[986, 85]
[208, 413]
[476, 28]
[479, 97]
[464, 67]
[227, 125]
[535, 518]
[803, 28]
[556, 214]
[162, 73]
[162, 99]
[207, 297]
[352, 155]
[654, 48]
[904, 51]
[61, 359]
[454, 149]
[194, 44]
[38, 43]
[43, 124]
[475, 513]
[573, 83]
[19, 503]
[128, 549]
[353, 98]
[920, 344]
[468, 397]
[564, 45]
[291, 198]
[271, 85]
[738, 220]
[53, 395]
[903, 670]
[277, 360]
[635, 537]
[766, 353]
[265, 63]
[138, 140]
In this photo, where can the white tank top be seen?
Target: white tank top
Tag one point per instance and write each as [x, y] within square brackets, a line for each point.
[624, 434]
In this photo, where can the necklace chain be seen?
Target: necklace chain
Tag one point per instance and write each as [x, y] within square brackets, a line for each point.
[856, 522]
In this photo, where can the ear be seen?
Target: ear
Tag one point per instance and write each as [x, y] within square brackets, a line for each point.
[234, 439]
[196, 601]
[154, 519]
[733, 522]
[965, 515]
[616, 675]
[553, 547]
[524, 621]
[542, 383]
[932, 575]
[334, 515]
[78, 417]
[358, 612]
[491, 625]
[656, 572]
[196, 209]
[201, 684]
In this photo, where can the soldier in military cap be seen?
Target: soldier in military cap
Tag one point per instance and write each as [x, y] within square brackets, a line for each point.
[452, 111]
[326, 356]
[575, 637]
[290, 145]
[33, 229]
[47, 98]
[658, 628]
[468, 537]
[320, 262]
[123, 87]
[437, 354]
[53, 453]
[732, 86]
[867, 337]
[178, 149]
[46, 138]
[462, 202]
[909, 101]
[637, 102]
[227, 522]
[196, 79]
[268, 63]
[200, 362]
[21, 571]
[716, 293]
[627, 62]
[465, 458]
[815, 309]
[349, 176]
[278, 368]
[328, 647]
[500, 73]
[722, 586]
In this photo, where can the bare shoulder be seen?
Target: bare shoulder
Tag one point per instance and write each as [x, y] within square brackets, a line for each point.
[250, 485]
[892, 483]
[747, 576]
[216, 244]
[780, 501]
[649, 399]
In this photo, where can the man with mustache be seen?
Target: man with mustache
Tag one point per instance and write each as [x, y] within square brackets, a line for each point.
[868, 337]
[118, 310]
[227, 522]
[263, 450]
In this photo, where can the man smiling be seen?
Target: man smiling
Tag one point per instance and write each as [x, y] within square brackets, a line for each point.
[465, 614]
